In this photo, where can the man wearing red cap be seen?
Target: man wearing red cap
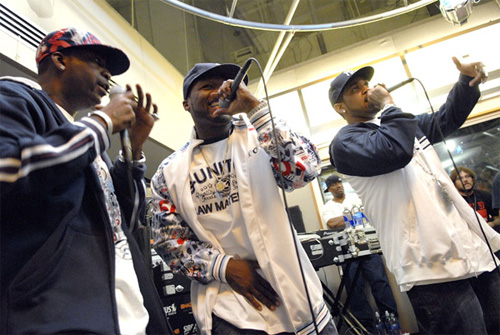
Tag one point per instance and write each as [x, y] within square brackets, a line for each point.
[69, 261]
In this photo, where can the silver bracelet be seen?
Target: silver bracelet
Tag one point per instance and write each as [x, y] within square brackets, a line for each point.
[257, 108]
[136, 162]
[106, 118]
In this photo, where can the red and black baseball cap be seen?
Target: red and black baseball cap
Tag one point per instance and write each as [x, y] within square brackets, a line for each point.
[117, 61]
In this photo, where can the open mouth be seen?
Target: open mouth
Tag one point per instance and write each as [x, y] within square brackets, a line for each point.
[214, 103]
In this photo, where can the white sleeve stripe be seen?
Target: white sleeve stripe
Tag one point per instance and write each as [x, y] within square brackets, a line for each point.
[12, 177]
[101, 131]
[45, 155]
[10, 162]
[47, 149]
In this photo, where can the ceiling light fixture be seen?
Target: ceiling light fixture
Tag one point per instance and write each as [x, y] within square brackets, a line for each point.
[295, 28]
[456, 11]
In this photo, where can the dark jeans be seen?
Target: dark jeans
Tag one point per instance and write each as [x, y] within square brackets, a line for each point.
[372, 273]
[469, 306]
[222, 327]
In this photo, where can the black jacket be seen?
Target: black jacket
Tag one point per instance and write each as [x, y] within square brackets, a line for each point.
[57, 249]
[365, 149]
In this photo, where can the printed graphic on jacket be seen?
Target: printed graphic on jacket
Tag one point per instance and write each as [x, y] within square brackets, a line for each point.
[214, 188]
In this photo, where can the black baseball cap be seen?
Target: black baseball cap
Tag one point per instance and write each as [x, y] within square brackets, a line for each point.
[332, 180]
[337, 85]
[227, 71]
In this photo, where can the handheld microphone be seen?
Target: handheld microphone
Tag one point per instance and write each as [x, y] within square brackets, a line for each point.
[124, 137]
[126, 145]
[395, 87]
[235, 84]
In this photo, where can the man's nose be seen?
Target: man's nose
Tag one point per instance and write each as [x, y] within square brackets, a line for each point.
[214, 94]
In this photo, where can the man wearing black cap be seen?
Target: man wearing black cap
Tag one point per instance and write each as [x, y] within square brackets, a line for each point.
[372, 271]
[332, 211]
[219, 219]
[69, 261]
[430, 237]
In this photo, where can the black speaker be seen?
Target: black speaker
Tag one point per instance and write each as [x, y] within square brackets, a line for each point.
[296, 218]
[174, 290]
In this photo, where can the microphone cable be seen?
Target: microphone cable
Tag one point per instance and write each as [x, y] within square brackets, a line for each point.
[282, 182]
[458, 173]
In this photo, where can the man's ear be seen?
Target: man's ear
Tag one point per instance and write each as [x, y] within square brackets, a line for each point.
[59, 60]
[185, 104]
[340, 108]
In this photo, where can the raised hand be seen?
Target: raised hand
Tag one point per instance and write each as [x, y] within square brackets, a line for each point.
[146, 113]
[243, 103]
[474, 69]
[120, 110]
[378, 97]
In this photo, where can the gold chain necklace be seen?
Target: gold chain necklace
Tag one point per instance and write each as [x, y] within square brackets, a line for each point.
[219, 185]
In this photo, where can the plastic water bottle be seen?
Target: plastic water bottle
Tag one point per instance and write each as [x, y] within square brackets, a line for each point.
[366, 222]
[379, 325]
[387, 323]
[359, 228]
[357, 216]
[395, 327]
[347, 218]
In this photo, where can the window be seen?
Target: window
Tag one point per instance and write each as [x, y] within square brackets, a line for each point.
[476, 147]
[289, 108]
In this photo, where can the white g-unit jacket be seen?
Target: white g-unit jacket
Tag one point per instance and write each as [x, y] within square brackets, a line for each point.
[200, 256]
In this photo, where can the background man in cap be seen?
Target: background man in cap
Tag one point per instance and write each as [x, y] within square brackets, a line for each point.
[219, 219]
[430, 237]
[372, 266]
[332, 211]
[69, 262]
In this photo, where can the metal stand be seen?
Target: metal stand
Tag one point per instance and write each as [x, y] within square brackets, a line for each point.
[341, 310]
[338, 247]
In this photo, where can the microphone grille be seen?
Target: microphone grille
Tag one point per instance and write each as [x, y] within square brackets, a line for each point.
[116, 89]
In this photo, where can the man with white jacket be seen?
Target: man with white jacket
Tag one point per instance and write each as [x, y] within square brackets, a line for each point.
[219, 219]
[431, 238]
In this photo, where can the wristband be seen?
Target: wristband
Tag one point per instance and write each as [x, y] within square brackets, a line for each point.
[136, 162]
[106, 118]
[257, 108]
